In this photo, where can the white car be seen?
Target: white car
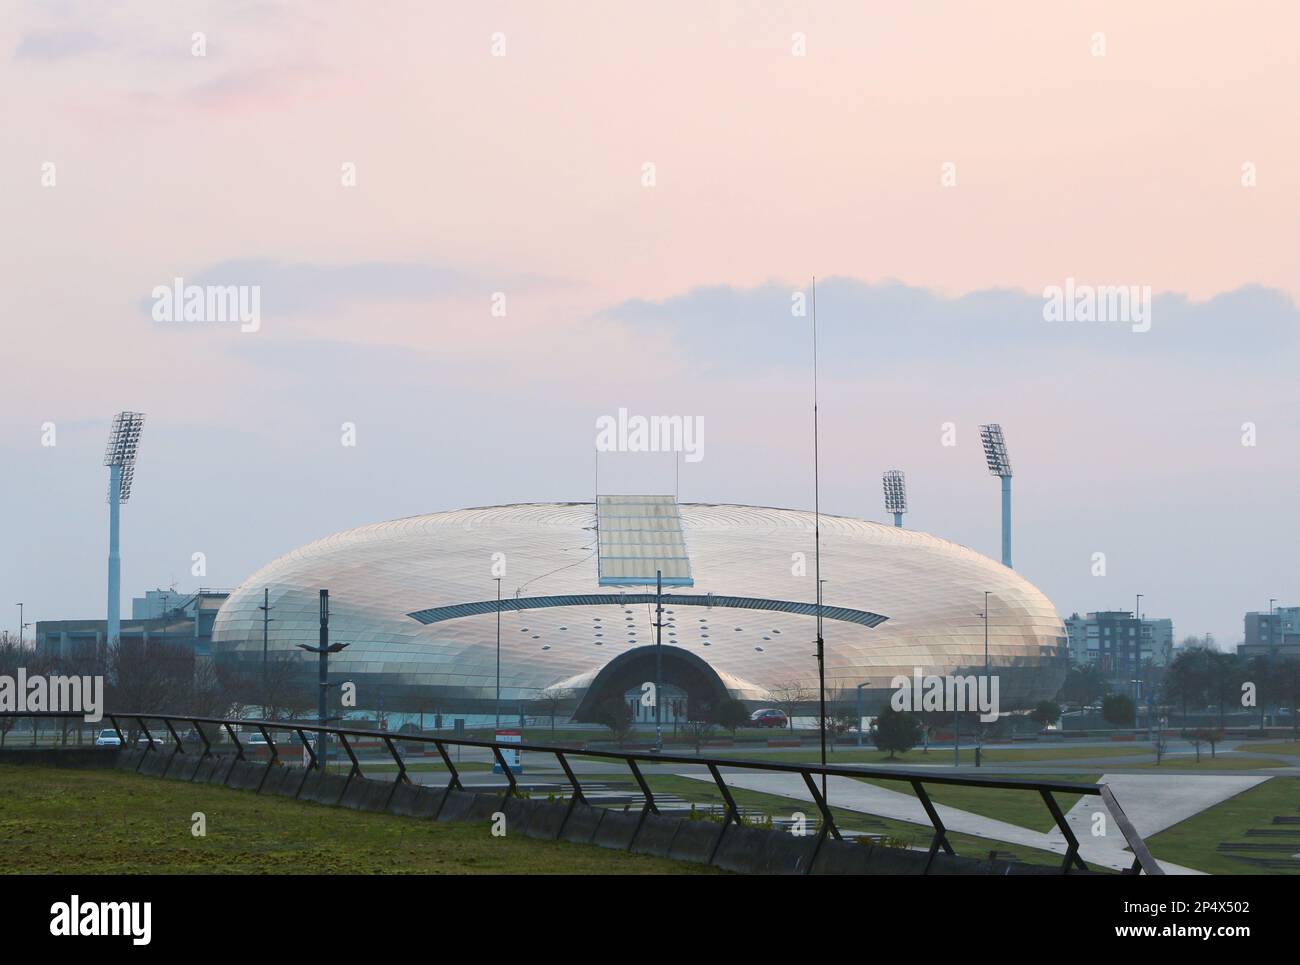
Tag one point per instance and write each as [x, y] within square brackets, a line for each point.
[108, 738]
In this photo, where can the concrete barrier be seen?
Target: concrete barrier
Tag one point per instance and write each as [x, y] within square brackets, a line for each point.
[183, 767]
[616, 829]
[582, 823]
[245, 775]
[694, 841]
[363, 794]
[413, 801]
[656, 835]
[218, 775]
[203, 770]
[546, 820]
[275, 777]
[128, 759]
[154, 763]
[80, 757]
[324, 788]
[483, 806]
[456, 805]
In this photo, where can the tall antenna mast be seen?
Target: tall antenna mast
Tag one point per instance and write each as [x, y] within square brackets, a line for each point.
[817, 548]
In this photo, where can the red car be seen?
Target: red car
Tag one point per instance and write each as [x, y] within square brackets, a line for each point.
[769, 718]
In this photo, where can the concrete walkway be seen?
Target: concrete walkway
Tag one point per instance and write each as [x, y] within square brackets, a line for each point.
[1151, 803]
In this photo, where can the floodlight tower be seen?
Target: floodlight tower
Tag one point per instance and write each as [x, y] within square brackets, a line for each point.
[895, 494]
[995, 453]
[119, 457]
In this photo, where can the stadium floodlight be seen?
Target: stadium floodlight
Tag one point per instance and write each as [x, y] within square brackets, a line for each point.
[895, 494]
[119, 457]
[995, 454]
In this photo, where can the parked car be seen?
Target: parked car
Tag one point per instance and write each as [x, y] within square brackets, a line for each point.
[108, 738]
[769, 717]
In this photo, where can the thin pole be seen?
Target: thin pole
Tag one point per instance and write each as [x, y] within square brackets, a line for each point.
[266, 628]
[817, 548]
[986, 633]
[659, 640]
[324, 666]
[114, 627]
[498, 653]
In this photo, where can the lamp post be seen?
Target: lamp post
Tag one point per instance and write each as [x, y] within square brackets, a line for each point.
[324, 650]
[266, 631]
[1137, 642]
[20, 625]
[498, 727]
[865, 683]
[659, 660]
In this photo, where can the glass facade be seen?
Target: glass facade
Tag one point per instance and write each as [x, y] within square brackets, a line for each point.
[930, 592]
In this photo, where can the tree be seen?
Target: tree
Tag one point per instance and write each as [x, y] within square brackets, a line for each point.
[614, 713]
[1083, 685]
[789, 697]
[1118, 710]
[731, 715]
[895, 731]
[552, 699]
[1047, 712]
[698, 728]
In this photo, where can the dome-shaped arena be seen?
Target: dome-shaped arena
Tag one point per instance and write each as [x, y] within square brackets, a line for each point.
[416, 601]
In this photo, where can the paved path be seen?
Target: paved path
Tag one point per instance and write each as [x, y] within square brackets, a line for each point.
[1151, 802]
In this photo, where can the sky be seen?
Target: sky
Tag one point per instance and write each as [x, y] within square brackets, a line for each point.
[476, 229]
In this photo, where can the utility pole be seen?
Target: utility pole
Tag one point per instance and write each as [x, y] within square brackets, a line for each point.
[817, 550]
[659, 658]
[266, 632]
[498, 708]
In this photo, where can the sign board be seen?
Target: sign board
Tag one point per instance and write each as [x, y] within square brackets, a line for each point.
[513, 757]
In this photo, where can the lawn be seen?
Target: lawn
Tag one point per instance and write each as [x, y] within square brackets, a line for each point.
[706, 793]
[1194, 843]
[997, 755]
[56, 820]
[1023, 808]
[1291, 748]
[1223, 762]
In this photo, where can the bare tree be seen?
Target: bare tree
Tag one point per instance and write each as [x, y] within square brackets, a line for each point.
[790, 697]
[552, 700]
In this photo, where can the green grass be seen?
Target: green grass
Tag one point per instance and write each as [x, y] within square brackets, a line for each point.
[706, 793]
[65, 821]
[1011, 755]
[1025, 809]
[1194, 842]
[1272, 747]
[1223, 762]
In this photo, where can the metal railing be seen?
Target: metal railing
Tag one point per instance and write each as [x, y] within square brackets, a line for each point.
[917, 780]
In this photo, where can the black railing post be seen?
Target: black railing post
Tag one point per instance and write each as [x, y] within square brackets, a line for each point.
[940, 832]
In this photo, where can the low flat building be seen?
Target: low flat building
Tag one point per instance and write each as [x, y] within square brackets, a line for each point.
[184, 619]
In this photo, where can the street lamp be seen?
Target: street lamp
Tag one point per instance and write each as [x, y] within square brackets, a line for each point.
[498, 727]
[865, 683]
[1137, 634]
[20, 625]
[324, 650]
